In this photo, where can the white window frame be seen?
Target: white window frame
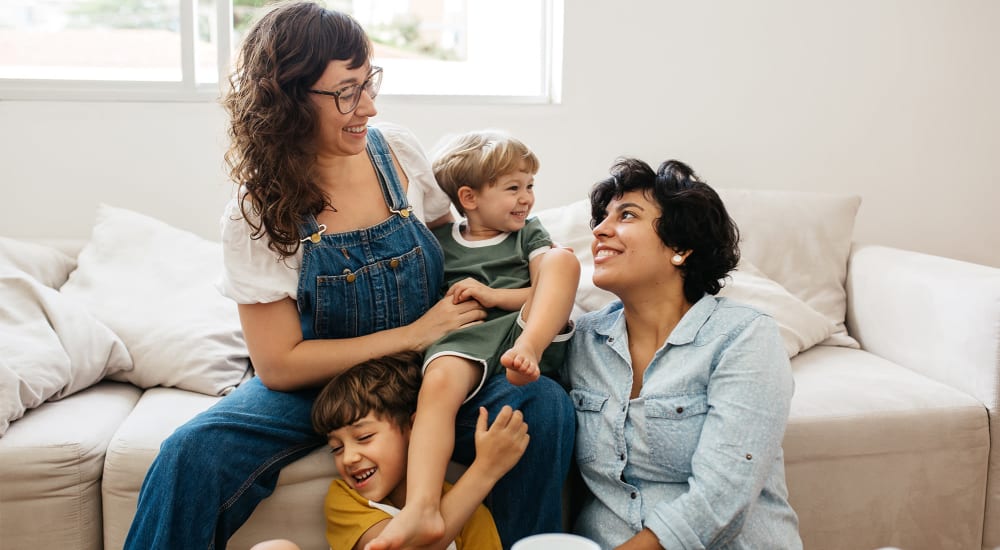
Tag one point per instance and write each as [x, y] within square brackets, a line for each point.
[188, 90]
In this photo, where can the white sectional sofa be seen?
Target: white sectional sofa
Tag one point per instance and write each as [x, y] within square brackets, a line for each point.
[894, 430]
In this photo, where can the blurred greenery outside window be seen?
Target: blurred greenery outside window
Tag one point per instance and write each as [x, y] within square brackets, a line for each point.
[170, 49]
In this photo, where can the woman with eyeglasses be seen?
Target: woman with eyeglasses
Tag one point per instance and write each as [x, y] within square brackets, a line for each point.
[328, 254]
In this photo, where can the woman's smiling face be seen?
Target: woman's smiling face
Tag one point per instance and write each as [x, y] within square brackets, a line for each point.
[340, 134]
[628, 252]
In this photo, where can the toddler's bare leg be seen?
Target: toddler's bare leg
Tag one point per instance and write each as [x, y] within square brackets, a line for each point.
[545, 314]
[447, 381]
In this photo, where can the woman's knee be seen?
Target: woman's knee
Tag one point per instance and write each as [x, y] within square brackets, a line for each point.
[548, 408]
[193, 443]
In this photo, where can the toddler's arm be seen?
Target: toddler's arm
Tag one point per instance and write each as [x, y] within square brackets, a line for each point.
[508, 299]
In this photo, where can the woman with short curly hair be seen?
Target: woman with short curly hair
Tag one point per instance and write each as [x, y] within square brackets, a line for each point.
[681, 397]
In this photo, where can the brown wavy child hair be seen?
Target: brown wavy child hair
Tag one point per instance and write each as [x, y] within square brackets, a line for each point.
[386, 387]
[476, 159]
[272, 127]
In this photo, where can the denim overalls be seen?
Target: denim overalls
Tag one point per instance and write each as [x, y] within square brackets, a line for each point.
[372, 279]
[350, 284]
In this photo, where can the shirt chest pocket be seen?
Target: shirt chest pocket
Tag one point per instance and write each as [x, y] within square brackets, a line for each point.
[673, 425]
[591, 424]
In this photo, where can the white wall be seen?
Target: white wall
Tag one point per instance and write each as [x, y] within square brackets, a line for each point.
[895, 100]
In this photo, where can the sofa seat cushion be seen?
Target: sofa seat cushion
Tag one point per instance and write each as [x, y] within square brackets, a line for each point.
[51, 462]
[294, 510]
[157, 414]
[874, 445]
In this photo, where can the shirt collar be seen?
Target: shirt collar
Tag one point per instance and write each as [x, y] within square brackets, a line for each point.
[692, 321]
[613, 321]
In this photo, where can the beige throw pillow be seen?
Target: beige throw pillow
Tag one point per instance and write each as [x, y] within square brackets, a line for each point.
[153, 285]
[802, 241]
[800, 325]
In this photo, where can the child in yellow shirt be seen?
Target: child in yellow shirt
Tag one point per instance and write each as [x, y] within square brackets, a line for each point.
[366, 412]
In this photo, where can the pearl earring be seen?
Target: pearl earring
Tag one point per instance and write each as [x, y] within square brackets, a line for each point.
[677, 259]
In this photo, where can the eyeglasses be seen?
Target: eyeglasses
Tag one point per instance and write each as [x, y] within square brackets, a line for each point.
[347, 98]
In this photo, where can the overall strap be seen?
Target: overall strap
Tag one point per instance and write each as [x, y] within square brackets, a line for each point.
[385, 169]
[310, 230]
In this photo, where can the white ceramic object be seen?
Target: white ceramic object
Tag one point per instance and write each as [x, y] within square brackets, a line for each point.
[555, 541]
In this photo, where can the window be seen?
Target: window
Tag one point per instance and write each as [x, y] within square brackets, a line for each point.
[180, 50]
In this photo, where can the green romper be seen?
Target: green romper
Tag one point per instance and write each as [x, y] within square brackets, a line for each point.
[500, 262]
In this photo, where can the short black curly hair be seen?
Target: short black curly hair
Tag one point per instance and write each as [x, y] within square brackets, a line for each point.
[692, 217]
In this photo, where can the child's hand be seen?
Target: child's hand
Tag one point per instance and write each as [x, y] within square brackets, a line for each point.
[471, 289]
[499, 447]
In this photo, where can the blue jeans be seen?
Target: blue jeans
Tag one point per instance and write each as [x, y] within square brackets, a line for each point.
[214, 470]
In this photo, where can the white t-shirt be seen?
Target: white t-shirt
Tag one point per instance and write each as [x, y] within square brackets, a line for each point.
[256, 274]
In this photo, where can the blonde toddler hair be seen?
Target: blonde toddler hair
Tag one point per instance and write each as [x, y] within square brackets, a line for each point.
[477, 159]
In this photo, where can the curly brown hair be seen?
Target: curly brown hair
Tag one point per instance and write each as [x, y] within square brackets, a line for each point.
[272, 150]
[386, 387]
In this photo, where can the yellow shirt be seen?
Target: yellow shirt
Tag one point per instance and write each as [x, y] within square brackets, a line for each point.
[349, 515]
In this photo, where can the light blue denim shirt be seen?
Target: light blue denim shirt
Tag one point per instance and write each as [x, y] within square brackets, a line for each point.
[696, 457]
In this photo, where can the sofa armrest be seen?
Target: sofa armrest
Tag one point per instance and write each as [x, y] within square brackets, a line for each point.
[937, 316]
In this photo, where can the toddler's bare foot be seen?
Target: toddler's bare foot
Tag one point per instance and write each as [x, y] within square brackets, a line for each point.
[519, 379]
[413, 527]
[521, 362]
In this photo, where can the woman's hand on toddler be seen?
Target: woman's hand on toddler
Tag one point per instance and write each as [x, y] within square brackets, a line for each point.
[444, 317]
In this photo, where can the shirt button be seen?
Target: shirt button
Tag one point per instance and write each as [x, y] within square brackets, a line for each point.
[633, 495]
[621, 456]
[680, 410]
[394, 263]
[749, 456]
[611, 339]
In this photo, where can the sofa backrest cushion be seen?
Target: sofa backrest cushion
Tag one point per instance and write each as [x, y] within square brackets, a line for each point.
[50, 345]
[154, 286]
[802, 241]
[794, 246]
[46, 264]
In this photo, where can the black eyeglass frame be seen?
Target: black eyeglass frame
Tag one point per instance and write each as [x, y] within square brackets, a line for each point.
[370, 86]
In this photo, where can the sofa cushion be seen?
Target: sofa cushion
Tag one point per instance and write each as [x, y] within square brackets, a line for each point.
[50, 346]
[51, 462]
[802, 241]
[154, 285]
[157, 414]
[295, 509]
[897, 456]
[47, 264]
[800, 325]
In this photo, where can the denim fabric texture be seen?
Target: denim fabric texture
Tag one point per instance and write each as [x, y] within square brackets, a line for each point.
[213, 471]
[696, 457]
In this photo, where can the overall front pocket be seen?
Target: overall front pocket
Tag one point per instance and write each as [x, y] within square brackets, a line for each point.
[385, 294]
